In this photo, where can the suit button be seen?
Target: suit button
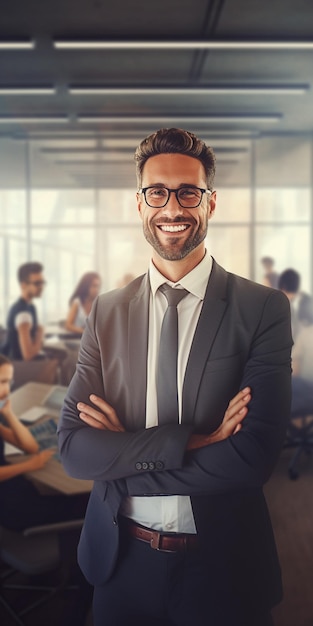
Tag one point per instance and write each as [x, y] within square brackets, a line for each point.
[145, 465]
[138, 466]
[151, 465]
[159, 465]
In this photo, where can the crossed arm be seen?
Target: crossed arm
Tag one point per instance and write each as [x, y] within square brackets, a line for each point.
[104, 417]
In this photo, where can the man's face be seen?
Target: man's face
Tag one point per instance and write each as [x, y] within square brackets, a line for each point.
[173, 231]
[34, 285]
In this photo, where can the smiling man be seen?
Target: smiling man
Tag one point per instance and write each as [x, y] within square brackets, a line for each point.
[177, 411]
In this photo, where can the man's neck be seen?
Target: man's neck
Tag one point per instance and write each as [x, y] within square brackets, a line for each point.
[26, 297]
[175, 270]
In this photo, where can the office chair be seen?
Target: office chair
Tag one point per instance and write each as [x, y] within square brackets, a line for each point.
[37, 370]
[34, 551]
[300, 428]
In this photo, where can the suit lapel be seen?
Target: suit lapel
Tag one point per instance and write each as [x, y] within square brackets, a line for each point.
[137, 351]
[213, 309]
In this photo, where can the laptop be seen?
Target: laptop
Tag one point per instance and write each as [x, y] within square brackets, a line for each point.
[51, 405]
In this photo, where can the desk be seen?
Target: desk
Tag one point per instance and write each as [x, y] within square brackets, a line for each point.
[52, 330]
[52, 475]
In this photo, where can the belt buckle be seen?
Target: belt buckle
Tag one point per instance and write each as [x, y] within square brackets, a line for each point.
[155, 540]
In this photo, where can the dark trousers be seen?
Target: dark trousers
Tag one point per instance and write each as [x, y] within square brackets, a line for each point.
[167, 589]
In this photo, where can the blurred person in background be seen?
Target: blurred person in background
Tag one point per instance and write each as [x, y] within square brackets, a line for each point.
[270, 277]
[302, 352]
[81, 302]
[24, 334]
[300, 302]
[22, 505]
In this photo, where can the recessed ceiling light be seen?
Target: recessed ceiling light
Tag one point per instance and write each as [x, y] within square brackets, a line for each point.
[27, 91]
[203, 90]
[17, 45]
[184, 45]
[33, 120]
[207, 119]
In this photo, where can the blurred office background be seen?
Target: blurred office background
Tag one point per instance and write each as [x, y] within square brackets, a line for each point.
[82, 82]
[80, 86]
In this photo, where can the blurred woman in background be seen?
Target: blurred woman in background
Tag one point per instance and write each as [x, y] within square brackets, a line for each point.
[81, 302]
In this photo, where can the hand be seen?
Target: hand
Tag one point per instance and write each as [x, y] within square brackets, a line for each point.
[6, 410]
[40, 459]
[231, 424]
[104, 419]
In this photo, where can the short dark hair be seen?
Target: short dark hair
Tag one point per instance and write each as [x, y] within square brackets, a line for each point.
[25, 270]
[289, 281]
[175, 141]
[267, 260]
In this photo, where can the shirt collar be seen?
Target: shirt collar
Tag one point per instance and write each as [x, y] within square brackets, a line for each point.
[195, 281]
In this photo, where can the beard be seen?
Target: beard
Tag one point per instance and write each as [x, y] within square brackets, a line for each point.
[176, 249]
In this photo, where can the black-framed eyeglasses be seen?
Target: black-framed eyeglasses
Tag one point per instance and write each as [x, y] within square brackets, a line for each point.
[188, 197]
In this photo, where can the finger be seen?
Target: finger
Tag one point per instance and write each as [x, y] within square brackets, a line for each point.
[107, 409]
[240, 395]
[236, 419]
[91, 421]
[97, 415]
[237, 429]
[237, 407]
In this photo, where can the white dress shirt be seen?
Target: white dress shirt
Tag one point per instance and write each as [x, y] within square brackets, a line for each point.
[169, 513]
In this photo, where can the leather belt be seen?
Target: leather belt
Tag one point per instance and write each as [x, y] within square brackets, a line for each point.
[160, 541]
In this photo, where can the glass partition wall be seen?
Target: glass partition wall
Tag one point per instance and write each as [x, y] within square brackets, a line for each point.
[71, 213]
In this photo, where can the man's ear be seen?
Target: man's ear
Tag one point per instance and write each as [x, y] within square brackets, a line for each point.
[139, 203]
[211, 204]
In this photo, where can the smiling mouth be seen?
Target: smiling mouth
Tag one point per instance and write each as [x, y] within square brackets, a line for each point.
[173, 228]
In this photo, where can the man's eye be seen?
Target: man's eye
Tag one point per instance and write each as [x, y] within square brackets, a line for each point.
[157, 192]
[188, 193]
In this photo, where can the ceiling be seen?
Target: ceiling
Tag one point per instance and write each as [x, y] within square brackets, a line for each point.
[228, 70]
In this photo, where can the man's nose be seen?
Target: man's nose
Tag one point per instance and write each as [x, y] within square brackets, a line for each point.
[172, 206]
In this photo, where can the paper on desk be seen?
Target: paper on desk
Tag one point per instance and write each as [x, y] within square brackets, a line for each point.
[33, 414]
[10, 449]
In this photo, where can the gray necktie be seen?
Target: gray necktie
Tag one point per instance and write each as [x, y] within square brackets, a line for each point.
[167, 365]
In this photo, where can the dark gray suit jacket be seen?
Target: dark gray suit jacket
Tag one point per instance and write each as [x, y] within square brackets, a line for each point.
[242, 338]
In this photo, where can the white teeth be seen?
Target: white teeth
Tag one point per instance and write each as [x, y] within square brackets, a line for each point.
[174, 229]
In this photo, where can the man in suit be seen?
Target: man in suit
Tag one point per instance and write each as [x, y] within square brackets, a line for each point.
[177, 530]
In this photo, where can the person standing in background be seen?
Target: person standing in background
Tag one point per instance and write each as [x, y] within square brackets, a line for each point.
[81, 302]
[270, 277]
[300, 302]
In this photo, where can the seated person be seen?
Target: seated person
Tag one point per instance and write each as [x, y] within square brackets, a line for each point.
[24, 334]
[81, 302]
[22, 505]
